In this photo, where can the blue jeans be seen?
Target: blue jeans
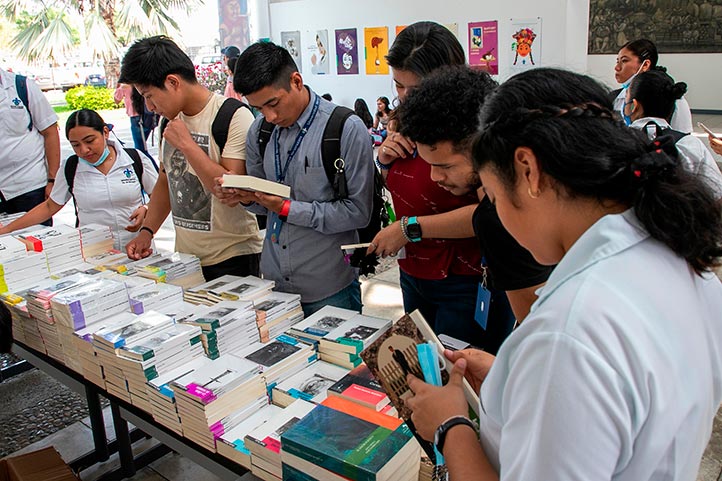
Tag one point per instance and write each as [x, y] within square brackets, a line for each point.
[348, 298]
[138, 137]
[25, 202]
[448, 305]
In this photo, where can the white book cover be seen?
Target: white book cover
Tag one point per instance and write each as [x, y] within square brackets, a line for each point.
[211, 381]
[249, 182]
[140, 327]
[266, 438]
[323, 321]
[235, 438]
[312, 382]
[162, 383]
[245, 288]
[356, 334]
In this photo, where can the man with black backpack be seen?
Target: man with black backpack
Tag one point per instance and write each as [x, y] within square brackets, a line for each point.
[29, 144]
[330, 198]
[202, 137]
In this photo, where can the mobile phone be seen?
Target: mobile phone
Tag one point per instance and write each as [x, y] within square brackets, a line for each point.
[704, 127]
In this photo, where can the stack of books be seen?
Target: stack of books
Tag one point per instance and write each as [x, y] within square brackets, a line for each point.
[95, 239]
[229, 288]
[340, 439]
[60, 244]
[341, 334]
[180, 269]
[80, 268]
[155, 297]
[232, 443]
[106, 258]
[264, 442]
[310, 384]
[146, 358]
[19, 269]
[106, 341]
[161, 396]
[228, 327]
[25, 327]
[276, 312]
[5, 218]
[280, 358]
[360, 386]
[38, 304]
[207, 397]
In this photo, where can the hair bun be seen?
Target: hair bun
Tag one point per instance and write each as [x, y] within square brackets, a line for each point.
[659, 68]
[679, 89]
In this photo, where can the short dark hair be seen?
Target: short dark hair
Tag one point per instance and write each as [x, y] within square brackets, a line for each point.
[566, 119]
[445, 106]
[328, 97]
[150, 60]
[261, 65]
[657, 92]
[85, 118]
[643, 49]
[423, 47]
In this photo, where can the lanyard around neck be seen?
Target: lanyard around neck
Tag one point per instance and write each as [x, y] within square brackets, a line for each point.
[282, 171]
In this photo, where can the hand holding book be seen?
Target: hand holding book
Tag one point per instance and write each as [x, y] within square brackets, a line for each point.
[432, 405]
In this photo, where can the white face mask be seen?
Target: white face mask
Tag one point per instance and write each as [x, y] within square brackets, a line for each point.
[625, 85]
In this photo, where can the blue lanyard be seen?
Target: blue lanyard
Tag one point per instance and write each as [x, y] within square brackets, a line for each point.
[281, 172]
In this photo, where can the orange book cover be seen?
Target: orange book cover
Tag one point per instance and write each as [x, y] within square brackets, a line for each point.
[367, 414]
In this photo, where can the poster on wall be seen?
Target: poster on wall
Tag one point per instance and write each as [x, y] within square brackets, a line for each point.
[376, 46]
[484, 46]
[453, 28]
[346, 51]
[291, 41]
[525, 44]
[317, 51]
[234, 26]
[399, 28]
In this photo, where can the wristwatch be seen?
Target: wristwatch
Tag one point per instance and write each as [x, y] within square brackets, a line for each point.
[413, 229]
[443, 430]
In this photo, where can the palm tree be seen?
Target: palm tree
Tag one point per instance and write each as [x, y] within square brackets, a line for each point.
[104, 26]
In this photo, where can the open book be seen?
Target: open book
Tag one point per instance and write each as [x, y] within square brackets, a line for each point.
[393, 355]
[256, 184]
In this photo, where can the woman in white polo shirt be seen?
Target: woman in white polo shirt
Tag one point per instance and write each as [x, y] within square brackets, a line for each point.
[616, 373]
[106, 189]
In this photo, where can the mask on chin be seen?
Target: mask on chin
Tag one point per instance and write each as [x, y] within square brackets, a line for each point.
[102, 158]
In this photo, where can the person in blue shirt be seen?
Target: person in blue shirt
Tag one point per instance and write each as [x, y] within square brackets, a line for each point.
[302, 249]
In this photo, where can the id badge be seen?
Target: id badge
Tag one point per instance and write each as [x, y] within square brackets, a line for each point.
[483, 302]
[273, 227]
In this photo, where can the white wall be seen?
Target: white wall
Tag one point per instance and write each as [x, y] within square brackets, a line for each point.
[701, 72]
[564, 33]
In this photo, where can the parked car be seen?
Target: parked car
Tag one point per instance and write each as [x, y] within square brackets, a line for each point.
[208, 59]
[43, 80]
[96, 80]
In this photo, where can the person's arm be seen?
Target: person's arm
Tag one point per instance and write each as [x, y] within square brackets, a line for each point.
[38, 214]
[521, 301]
[716, 145]
[51, 138]
[455, 224]
[118, 94]
[178, 135]
[158, 210]
[376, 121]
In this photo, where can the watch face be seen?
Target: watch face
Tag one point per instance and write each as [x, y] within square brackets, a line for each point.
[414, 231]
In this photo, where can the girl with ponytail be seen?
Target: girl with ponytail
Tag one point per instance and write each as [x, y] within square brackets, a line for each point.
[617, 371]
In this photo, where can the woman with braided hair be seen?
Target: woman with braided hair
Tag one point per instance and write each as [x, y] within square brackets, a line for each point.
[617, 371]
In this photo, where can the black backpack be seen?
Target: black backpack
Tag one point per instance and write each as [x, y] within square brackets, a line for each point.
[667, 138]
[71, 166]
[330, 154]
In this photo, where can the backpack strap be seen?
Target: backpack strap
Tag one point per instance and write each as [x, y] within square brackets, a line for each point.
[331, 146]
[264, 136]
[137, 165]
[71, 166]
[21, 86]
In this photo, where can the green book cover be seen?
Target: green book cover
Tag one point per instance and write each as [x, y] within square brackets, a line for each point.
[344, 444]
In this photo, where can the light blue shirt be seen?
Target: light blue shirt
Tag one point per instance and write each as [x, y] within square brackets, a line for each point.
[307, 259]
[616, 374]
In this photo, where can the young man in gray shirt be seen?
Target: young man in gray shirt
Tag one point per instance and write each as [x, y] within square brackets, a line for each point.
[302, 249]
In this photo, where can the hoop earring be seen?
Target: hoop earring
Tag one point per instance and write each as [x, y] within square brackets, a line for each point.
[533, 196]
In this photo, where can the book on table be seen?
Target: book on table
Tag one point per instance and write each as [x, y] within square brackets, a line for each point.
[394, 355]
[360, 386]
[310, 384]
[352, 441]
[231, 444]
[256, 184]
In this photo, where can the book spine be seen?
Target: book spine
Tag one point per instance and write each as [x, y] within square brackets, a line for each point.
[205, 395]
[292, 474]
[338, 466]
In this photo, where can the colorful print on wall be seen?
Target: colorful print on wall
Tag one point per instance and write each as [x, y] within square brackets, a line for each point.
[234, 23]
[453, 28]
[346, 51]
[291, 41]
[376, 46]
[317, 51]
[399, 28]
[484, 46]
[525, 42]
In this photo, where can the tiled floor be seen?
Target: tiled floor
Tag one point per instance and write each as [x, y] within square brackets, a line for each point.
[382, 297]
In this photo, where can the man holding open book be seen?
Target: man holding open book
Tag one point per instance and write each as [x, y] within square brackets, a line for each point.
[302, 249]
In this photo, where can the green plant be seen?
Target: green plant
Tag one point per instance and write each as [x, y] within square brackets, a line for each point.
[94, 98]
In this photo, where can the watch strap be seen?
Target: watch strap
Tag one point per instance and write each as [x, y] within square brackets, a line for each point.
[412, 221]
[443, 430]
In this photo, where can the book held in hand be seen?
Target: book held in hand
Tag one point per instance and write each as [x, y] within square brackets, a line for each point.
[256, 184]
